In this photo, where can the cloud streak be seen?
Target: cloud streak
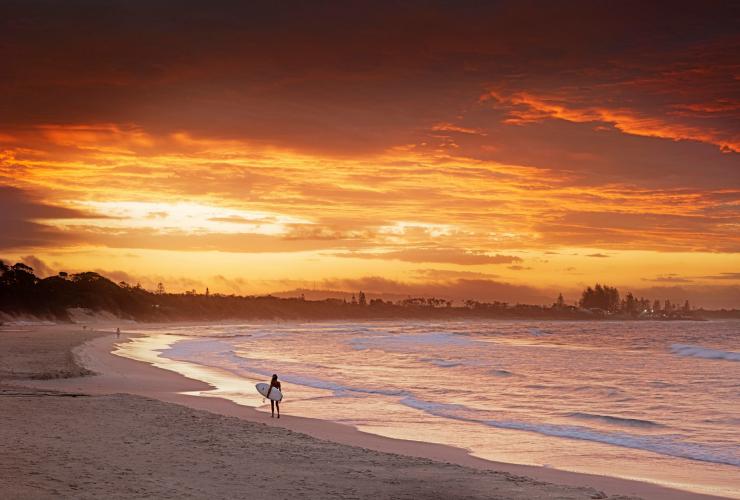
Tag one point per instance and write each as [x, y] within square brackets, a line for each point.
[439, 255]
[527, 108]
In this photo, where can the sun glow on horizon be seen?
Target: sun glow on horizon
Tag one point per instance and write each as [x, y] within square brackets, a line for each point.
[184, 217]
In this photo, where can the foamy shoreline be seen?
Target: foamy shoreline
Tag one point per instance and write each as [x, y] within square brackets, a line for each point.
[122, 375]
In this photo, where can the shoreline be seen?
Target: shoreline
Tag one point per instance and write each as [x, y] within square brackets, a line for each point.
[117, 374]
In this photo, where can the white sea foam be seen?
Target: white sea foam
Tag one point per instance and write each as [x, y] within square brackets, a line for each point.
[218, 354]
[214, 335]
[696, 351]
[663, 445]
[610, 419]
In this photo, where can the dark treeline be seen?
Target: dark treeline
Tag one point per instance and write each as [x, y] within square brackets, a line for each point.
[22, 292]
[606, 300]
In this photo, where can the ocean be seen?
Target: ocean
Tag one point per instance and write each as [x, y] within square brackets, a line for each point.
[647, 400]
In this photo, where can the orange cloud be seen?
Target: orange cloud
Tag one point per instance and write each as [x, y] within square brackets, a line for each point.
[103, 137]
[530, 108]
[720, 106]
[450, 127]
[462, 210]
[440, 255]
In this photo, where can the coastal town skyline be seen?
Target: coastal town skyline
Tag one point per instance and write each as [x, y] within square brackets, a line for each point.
[399, 149]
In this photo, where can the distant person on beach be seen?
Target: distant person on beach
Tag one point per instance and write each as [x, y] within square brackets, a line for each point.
[274, 383]
[118, 333]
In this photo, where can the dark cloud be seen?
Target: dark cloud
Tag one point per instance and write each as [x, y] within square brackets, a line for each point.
[669, 278]
[21, 214]
[519, 268]
[450, 274]
[352, 77]
[459, 289]
[722, 276]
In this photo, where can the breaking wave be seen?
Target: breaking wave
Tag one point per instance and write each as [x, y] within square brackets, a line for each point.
[663, 445]
[219, 354]
[442, 363]
[695, 351]
[609, 419]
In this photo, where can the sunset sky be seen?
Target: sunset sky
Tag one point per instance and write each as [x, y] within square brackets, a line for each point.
[499, 150]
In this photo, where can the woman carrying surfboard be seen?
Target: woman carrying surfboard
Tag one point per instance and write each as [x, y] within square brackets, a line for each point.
[276, 384]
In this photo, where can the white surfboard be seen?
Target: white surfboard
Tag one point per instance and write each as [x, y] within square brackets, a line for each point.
[275, 393]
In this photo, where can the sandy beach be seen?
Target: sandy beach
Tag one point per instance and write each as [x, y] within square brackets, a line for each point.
[130, 432]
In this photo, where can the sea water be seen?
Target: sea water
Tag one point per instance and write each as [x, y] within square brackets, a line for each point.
[652, 401]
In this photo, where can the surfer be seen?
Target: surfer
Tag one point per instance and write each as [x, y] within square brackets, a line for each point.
[276, 384]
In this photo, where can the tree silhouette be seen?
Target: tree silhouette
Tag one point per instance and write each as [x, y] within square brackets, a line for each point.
[600, 297]
[560, 303]
[629, 304]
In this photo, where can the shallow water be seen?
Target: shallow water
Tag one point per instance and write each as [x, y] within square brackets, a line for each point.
[654, 401]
